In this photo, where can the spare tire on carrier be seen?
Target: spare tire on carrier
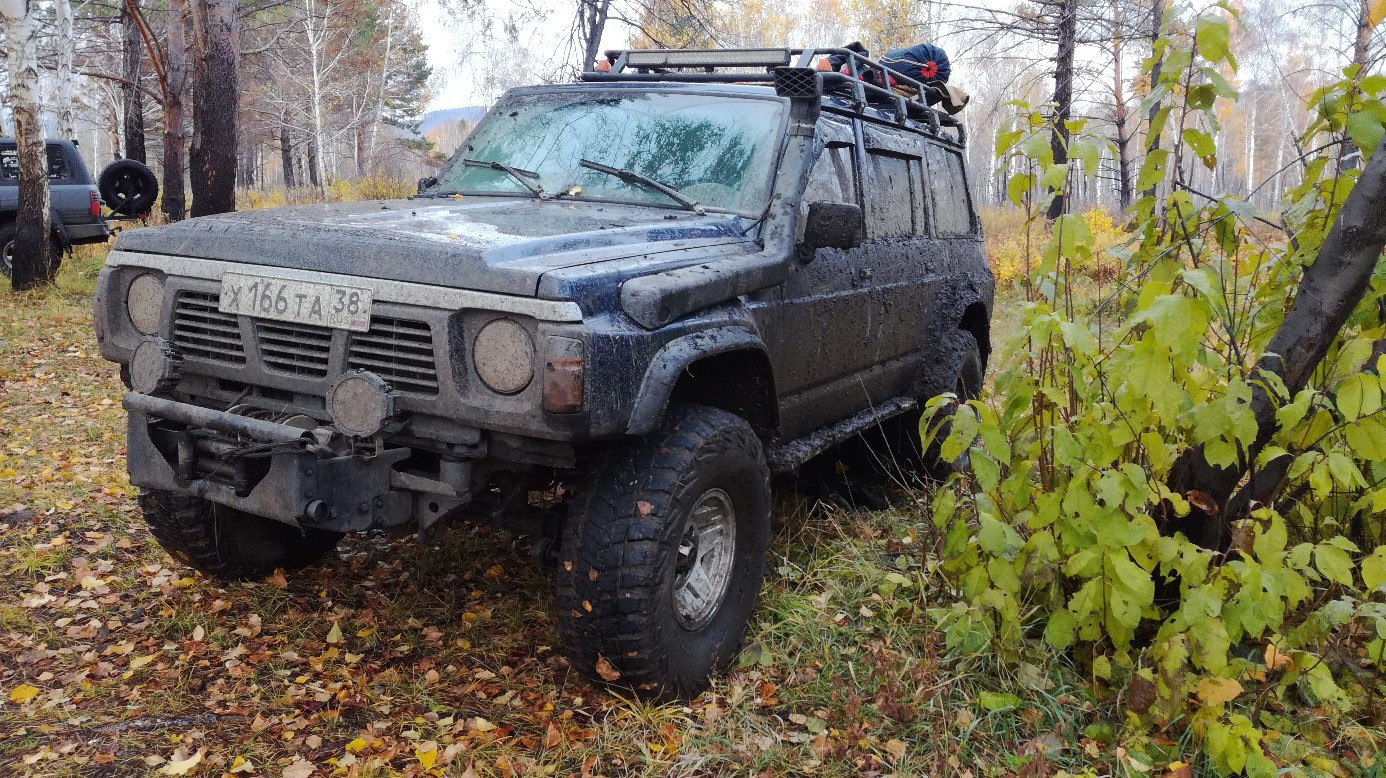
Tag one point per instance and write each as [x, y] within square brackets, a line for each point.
[128, 187]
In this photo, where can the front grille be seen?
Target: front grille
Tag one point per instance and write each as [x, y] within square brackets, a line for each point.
[399, 351]
[300, 349]
[203, 332]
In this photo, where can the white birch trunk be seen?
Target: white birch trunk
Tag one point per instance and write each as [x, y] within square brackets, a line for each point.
[66, 44]
[380, 104]
[1251, 148]
[32, 265]
[314, 36]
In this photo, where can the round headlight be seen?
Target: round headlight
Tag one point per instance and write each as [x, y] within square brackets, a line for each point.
[145, 302]
[504, 356]
[360, 403]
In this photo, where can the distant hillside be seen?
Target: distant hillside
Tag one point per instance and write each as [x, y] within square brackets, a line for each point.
[433, 119]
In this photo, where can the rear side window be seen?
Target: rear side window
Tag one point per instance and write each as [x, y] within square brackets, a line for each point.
[891, 190]
[57, 164]
[948, 192]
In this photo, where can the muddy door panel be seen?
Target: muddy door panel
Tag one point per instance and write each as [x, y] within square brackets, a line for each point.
[821, 334]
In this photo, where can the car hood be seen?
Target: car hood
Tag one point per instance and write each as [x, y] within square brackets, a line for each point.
[489, 244]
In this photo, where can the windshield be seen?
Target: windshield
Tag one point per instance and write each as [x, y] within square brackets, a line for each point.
[716, 150]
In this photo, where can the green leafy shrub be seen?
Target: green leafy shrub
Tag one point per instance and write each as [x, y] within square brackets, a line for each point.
[1061, 535]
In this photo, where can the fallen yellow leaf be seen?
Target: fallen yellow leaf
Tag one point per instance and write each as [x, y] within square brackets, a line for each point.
[23, 693]
[184, 766]
[480, 725]
[334, 635]
[141, 661]
[357, 746]
[427, 754]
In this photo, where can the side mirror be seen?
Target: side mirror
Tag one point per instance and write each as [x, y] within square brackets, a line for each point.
[833, 225]
[425, 183]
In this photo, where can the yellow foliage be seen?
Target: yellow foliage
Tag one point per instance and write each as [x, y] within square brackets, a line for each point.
[889, 24]
[1007, 250]
[339, 191]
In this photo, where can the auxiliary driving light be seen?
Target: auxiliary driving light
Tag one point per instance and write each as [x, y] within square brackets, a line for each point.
[701, 58]
[155, 367]
[360, 403]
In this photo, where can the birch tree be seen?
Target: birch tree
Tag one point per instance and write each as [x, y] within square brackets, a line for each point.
[33, 260]
[65, 45]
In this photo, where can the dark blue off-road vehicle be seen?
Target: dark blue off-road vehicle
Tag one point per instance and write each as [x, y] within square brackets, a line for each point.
[656, 287]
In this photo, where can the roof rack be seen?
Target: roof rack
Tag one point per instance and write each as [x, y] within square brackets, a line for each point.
[801, 79]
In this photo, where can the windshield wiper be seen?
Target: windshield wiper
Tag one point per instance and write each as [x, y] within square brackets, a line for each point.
[522, 176]
[632, 177]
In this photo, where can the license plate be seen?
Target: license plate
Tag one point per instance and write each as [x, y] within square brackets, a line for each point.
[300, 302]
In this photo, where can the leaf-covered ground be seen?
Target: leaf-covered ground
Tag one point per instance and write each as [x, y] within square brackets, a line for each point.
[395, 659]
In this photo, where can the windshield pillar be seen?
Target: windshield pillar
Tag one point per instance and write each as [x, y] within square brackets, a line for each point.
[782, 213]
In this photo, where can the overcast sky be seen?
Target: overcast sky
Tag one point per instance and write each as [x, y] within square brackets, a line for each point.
[455, 54]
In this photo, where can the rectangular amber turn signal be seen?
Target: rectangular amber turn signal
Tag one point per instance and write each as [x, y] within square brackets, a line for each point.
[563, 376]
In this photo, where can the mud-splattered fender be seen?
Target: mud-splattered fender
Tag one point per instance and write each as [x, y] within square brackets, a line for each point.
[669, 363]
[957, 295]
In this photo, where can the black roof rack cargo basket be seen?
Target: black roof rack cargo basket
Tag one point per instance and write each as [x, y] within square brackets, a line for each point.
[804, 74]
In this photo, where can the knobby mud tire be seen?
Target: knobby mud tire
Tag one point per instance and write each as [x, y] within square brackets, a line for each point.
[229, 544]
[621, 543]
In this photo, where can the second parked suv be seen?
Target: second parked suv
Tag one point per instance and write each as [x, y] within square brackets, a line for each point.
[652, 289]
[76, 205]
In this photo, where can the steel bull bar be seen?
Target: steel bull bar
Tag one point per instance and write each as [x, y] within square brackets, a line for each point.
[290, 476]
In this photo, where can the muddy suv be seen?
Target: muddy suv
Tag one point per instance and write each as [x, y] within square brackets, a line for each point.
[654, 288]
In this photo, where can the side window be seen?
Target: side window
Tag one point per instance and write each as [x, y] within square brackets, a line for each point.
[948, 193]
[57, 163]
[831, 180]
[891, 189]
[9, 164]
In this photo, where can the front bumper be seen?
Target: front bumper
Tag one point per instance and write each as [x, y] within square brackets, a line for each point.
[274, 470]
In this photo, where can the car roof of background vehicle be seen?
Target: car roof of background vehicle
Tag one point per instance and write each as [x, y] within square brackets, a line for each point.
[48, 142]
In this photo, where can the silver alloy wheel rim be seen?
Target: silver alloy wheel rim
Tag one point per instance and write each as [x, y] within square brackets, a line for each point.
[7, 258]
[703, 572]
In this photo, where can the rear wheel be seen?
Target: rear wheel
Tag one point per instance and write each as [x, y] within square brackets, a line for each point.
[7, 239]
[226, 543]
[663, 554]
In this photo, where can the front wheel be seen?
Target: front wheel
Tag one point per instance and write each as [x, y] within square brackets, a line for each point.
[226, 543]
[663, 554]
